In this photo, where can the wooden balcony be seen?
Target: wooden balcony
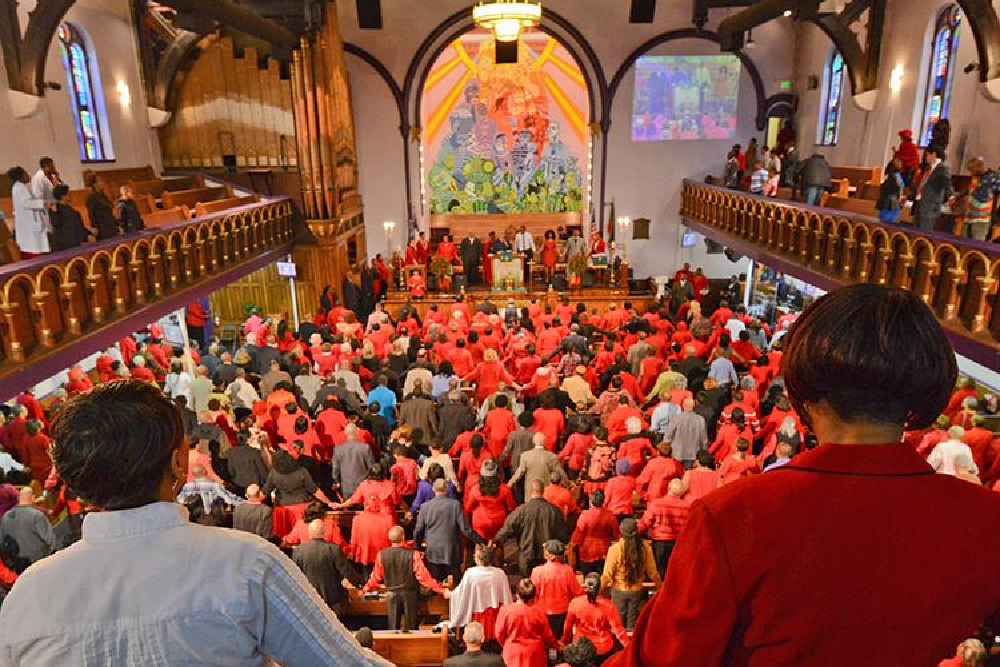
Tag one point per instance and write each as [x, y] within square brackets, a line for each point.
[57, 309]
[828, 248]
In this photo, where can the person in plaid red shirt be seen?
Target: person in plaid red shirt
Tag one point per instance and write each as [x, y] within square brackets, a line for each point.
[663, 520]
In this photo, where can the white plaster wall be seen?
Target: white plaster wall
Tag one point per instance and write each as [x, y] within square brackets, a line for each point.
[52, 132]
[868, 137]
[380, 156]
[643, 178]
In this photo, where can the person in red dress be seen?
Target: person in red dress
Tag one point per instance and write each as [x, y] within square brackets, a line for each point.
[597, 245]
[423, 249]
[370, 528]
[331, 530]
[596, 530]
[412, 256]
[856, 523]
[489, 502]
[447, 249]
[555, 585]
[659, 470]
[595, 618]
[702, 479]
[478, 598]
[523, 631]
[550, 254]
[499, 425]
[416, 285]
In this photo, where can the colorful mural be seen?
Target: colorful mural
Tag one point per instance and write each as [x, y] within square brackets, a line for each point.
[510, 138]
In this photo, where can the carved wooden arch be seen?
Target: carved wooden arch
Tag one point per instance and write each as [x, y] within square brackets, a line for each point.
[862, 61]
[67, 272]
[25, 57]
[985, 25]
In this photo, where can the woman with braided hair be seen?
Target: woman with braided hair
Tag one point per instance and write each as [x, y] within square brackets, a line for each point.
[629, 563]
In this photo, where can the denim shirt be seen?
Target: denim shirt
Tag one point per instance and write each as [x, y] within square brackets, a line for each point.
[145, 587]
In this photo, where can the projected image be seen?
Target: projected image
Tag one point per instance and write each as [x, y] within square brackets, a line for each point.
[685, 97]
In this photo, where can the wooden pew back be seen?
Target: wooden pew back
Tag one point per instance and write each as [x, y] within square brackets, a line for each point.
[190, 198]
[167, 216]
[858, 176]
[113, 179]
[202, 209]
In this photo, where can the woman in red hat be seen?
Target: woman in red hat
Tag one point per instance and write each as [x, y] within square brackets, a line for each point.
[908, 154]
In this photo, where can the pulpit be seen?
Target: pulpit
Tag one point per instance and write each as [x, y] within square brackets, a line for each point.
[508, 272]
[661, 286]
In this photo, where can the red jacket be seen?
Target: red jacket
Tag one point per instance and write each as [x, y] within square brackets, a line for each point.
[524, 633]
[596, 530]
[598, 621]
[856, 530]
[555, 586]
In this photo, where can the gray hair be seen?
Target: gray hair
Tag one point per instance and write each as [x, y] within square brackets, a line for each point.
[474, 633]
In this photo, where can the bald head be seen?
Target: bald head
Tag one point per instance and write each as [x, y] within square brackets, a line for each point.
[676, 488]
[317, 528]
[538, 440]
[688, 404]
[440, 487]
[253, 492]
[396, 535]
[26, 496]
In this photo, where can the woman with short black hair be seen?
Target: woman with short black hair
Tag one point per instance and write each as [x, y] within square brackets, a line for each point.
[144, 585]
[843, 554]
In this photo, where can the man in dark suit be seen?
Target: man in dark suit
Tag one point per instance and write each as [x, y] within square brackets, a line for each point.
[325, 566]
[438, 524]
[533, 523]
[473, 636]
[933, 190]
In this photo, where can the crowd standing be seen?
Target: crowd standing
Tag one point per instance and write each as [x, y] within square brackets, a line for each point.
[538, 469]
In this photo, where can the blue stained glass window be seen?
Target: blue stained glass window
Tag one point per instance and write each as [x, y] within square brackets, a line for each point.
[833, 100]
[941, 70]
[81, 75]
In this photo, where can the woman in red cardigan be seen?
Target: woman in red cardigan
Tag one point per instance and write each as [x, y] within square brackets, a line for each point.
[850, 553]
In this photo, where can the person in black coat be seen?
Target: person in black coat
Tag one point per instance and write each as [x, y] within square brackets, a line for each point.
[100, 211]
[325, 566]
[127, 211]
[352, 295]
[67, 225]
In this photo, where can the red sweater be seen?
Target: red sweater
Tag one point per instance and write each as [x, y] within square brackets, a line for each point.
[555, 586]
[854, 552]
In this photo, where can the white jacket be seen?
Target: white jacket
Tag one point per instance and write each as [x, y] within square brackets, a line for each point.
[30, 220]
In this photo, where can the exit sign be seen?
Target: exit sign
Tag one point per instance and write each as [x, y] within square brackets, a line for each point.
[785, 85]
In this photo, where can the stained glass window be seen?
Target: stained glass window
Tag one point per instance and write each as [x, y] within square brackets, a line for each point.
[83, 84]
[833, 100]
[941, 70]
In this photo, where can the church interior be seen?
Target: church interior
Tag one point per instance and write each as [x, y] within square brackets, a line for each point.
[375, 253]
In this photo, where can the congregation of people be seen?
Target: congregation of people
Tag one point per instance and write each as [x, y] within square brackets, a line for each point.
[915, 179]
[536, 464]
[45, 222]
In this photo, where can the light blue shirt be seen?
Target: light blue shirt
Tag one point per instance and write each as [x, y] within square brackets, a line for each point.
[723, 372]
[387, 401]
[439, 385]
[662, 415]
[145, 586]
[776, 464]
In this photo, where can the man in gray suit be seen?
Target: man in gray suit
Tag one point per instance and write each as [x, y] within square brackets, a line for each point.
[473, 636]
[326, 566]
[438, 524]
[253, 516]
[351, 462]
[538, 464]
[933, 190]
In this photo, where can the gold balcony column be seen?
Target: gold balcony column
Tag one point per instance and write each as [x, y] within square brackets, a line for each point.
[924, 286]
[901, 276]
[982, 303]
[951, 296]
[45, 335]
[864, 254]
[72, 320]
[16, 345]
[847, 257]
[882, 266]
[138, 281]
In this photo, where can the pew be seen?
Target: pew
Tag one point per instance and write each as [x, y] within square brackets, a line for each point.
[421, 648]
[166, 216]
[357, 605]
[207, 208]
[157, 186]
[857, 176]
[113, 179]
[869, 191]
[853, 205]
[190, 198]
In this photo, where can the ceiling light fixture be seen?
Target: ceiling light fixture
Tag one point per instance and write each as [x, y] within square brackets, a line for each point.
[507, 18]
[787, 13]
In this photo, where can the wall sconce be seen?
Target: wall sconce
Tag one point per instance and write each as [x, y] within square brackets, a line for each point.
[124, 96]
[896, 79]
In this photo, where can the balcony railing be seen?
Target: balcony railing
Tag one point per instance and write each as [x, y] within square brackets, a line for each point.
[956, 277]
[106, 289]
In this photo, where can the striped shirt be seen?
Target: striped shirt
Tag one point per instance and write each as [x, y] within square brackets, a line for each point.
[758, 180]
[665, 517]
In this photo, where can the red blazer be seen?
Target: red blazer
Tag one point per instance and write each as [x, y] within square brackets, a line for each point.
[871, 544]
